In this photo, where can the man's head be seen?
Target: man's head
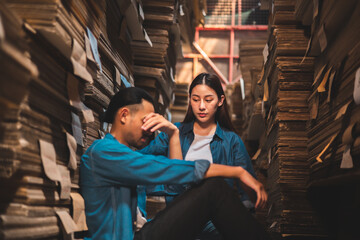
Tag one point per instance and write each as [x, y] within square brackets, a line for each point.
[126, 112]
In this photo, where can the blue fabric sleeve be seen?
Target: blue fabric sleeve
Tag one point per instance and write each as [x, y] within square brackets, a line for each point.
[242, 159]
[118, 164]
[141, 199]
[158, 146]
[241, 156]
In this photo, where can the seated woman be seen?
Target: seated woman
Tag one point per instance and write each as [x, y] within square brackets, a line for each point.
[206, 133]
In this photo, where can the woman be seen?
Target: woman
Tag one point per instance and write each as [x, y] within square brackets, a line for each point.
[205, 133]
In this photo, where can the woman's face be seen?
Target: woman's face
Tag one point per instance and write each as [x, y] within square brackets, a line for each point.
[204, 103]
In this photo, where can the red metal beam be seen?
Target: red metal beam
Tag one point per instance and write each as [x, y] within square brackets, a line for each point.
[195, 59]
[194, 55]
[232, 39]
[236, 28]
[231, 59]
[212, 65]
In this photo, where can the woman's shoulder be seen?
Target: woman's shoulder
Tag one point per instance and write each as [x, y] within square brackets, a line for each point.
[187, 126]
[231, 135]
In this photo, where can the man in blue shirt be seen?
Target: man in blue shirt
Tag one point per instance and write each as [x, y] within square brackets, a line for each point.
[110, 172]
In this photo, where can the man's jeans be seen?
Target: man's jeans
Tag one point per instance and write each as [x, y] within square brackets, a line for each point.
[212, 199]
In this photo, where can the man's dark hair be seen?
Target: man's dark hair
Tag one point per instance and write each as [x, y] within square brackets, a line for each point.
[125, 97]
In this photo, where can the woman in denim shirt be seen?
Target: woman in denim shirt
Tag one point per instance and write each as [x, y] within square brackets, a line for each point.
[206, 133]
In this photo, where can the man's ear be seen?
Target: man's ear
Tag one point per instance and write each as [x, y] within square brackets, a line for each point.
[221, 102]
[123, 114]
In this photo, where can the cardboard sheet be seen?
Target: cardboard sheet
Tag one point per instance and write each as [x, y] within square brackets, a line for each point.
[79, 211]
[357, 87]
[48, 158]
[72, 146]
[322, 38]
[94, 48]
[65, 182]
[346, 161]
[78, 60]
[77, 130]
[67, 222]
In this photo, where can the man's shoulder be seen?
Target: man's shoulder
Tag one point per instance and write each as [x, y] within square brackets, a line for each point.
[104, 144]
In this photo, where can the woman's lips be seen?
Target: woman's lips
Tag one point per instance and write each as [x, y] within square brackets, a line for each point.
[202, 115]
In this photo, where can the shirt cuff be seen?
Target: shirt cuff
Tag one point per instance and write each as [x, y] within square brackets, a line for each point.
[201, 166]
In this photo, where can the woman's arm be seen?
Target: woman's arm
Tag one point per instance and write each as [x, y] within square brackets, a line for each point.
[218, 170]
[153, 122]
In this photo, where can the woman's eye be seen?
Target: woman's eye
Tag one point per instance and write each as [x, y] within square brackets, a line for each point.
[195, 100]
[208, 100]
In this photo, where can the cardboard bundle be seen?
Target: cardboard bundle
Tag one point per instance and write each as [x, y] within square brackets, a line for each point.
[62, 63]
[333, 102]
[333, 128]
[285, 83]
[38, 154]
[155, 60]
[55, 113]
[251, 62]
[181, 101]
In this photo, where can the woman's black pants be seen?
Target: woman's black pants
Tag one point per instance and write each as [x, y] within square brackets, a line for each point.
[212, 199]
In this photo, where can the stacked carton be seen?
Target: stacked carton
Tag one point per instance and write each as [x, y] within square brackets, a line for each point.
[285, 83]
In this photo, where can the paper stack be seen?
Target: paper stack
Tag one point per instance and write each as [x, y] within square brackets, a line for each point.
[179, 107]
[155, 57]
[62, 62]
[251, 62]
[285, 83]
[38, 153]
[334, 101]
[334, 143]
[65, 68]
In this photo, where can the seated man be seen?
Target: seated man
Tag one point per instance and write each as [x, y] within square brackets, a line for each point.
[110, 172]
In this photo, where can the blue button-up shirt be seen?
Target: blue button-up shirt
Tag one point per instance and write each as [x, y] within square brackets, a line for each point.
[109, 175]
[226, 147]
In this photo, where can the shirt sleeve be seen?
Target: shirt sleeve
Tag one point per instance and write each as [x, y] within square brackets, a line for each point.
[118, 164]
[242, 159]
[158, 146]
[241, 156]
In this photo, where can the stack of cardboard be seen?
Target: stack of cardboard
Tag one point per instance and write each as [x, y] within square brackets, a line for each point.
[38, 153]
[63, 61]
[181, 101]
[251, 62]
[286, 83]
[332, 104]
[155, 60]
[334, 143]
[234, 95]
[75, 68]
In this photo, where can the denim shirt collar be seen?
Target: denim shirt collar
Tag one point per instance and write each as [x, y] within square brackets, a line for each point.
[187, 128]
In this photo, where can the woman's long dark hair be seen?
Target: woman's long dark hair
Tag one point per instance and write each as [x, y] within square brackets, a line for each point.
[222, 113]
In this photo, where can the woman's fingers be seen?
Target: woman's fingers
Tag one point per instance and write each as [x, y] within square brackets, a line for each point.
[154, 122]
[151, 121]
[261, 199]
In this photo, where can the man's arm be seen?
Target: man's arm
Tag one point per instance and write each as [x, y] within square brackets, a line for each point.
[218, 170]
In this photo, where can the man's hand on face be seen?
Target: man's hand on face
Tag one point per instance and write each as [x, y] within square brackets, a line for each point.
[154, 121]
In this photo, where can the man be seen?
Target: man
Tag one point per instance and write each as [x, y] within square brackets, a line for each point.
[110, 171]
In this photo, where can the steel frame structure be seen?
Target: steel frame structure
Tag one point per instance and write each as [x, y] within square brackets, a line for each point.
[232, 28]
